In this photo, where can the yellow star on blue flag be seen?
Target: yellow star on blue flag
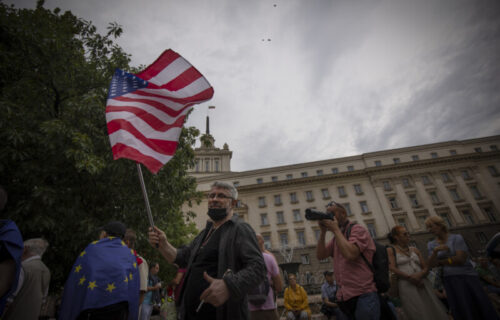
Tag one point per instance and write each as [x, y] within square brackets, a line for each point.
[97, 279]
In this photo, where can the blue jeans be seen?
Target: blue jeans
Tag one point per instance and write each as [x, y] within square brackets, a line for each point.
[368, 307]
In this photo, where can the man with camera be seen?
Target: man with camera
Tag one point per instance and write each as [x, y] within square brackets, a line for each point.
[357, 294]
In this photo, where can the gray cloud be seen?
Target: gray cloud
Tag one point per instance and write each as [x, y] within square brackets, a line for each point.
[337, 78]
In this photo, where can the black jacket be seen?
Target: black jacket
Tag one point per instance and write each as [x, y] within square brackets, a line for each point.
[239, 252]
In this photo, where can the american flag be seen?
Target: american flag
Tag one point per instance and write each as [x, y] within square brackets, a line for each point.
[145, 112]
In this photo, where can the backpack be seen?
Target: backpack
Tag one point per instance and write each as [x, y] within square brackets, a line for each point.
[379, 265]
[258, 295]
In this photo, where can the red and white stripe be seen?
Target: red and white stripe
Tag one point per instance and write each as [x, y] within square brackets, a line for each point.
[145, 125]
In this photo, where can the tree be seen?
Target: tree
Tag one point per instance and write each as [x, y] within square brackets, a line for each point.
[55, 158]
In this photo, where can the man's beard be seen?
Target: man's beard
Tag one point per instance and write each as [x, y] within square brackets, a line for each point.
[217, 214]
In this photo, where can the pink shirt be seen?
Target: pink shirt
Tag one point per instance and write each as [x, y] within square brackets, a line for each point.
[353, 277]
[272, 271]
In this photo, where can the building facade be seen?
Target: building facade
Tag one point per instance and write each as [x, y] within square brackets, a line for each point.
[456, 180]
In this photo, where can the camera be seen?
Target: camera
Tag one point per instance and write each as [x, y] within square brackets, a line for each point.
[312, 214]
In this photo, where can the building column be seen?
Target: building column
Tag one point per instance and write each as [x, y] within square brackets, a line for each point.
[406, 205]
[384, 206]
[469, 198]
[457, 217]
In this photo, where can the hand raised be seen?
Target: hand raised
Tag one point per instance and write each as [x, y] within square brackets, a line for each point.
[157, 238]
[217, 293]
[329, 224]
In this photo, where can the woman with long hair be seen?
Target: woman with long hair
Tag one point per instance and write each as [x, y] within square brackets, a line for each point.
[466, 297]
[415, 290]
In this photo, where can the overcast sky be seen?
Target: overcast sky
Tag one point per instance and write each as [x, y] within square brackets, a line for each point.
[306, 80]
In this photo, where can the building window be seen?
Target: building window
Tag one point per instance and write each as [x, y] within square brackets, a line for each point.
[453, 152]
[481, 237]
[446, 219]
[490, 214]
[317, 232]
[446, 177]
[236, 184]
[280, 218]
[319, 172]
[357, 189]
[414, 157]
[478, 149]
[304, 174]
[284, 239]
[293, 197]
[421, 220]
[325, 193]
[350, 168]
[277, 200]
[393, 203]
[296, 215]
[406, 182]
[207, 165]
[493, 147]
[434, 155]
[371, 228]
[378, 163]
[454, 194]
[289, 176]
[309, 196]
[413, 200]
[426, 180]
[468, 216]
[239, 204]
[197, 165]
[364, 207]
[475, 192]
[434, 197]
[267, 241]
[263, 219]
[466, 175]
[402, 222]
[335, 170]
[396, 160]
[259, 180]
[341, 191]
[262, 202]
[301, 238]
[387, 186]
[216, 165]
[493, 171]
[304, 258]
[274, 178]
[347, 209]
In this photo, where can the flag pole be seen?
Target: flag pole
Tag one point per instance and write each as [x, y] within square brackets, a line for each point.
[145, 194]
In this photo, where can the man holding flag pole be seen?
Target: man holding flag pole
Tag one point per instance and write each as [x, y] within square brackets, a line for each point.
[145, 114]
[223, 262]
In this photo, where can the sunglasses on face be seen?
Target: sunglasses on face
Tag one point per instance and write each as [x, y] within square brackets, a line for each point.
[334, 204]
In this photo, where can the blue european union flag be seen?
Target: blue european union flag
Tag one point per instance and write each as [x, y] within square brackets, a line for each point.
[11, 247]
[105, 273]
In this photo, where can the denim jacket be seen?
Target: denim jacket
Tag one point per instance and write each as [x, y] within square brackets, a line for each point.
[240, 264]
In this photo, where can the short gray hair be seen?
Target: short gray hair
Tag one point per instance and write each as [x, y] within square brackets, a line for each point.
[228, 187]
[36, 246]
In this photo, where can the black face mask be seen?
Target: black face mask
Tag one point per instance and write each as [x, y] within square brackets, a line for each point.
[217, 214]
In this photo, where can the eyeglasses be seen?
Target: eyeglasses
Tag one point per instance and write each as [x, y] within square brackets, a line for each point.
[334, 204]
[218, 195]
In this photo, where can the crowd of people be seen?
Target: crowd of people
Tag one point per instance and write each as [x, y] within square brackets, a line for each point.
[226, 273]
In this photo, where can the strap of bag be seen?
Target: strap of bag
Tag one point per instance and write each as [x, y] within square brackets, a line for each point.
[394, 253]
[347, 235]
